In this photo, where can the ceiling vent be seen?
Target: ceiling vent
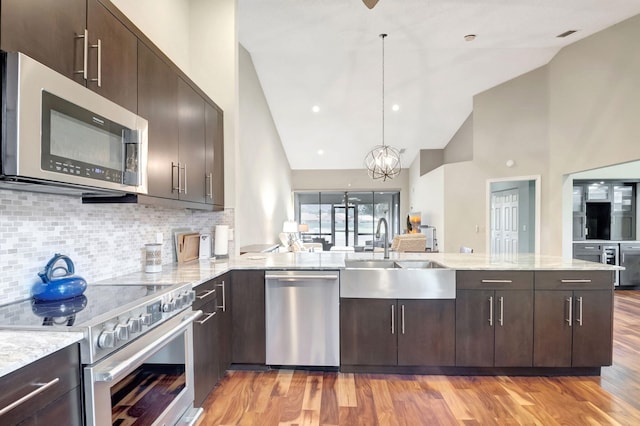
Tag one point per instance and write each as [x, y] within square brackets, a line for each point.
[566, 33]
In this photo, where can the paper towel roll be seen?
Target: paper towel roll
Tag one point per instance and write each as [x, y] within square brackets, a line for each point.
[221, 240]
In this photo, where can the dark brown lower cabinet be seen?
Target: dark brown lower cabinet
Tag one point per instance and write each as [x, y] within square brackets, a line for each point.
[223, 286]
[60, 403]
[573, 328]
[389, 332]
[248, 321]
[494, 328]
[205, 352]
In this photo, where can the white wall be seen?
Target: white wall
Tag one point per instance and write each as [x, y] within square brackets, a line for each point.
[263, 201]
[427, 197]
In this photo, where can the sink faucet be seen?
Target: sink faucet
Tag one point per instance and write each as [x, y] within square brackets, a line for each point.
[386, 230]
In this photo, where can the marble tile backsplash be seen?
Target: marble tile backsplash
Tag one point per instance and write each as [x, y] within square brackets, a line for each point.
[103, 240]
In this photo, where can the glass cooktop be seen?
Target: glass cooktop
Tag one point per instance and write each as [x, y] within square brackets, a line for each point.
[78, 311]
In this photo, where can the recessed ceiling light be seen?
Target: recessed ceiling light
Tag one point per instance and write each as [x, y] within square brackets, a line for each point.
[315, 108]
[320, 152]
[395, 107]
[469, 37]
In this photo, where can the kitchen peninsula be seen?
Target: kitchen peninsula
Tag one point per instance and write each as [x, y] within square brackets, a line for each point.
[544, 283]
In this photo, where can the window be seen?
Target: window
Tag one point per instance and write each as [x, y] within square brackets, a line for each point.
[347, 218]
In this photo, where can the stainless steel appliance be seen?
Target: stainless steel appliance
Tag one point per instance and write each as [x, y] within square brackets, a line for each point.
[137, 337]
[611, 257]
[60, 137]
[630, 259]
[302, 310]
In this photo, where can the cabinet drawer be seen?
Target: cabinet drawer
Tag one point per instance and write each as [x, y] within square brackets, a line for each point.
[574, 280]
[61, 370]
[494, 280]
[205, 293]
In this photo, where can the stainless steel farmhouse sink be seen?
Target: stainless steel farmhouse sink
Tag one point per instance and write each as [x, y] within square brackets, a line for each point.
[402, 279]
[390, 264]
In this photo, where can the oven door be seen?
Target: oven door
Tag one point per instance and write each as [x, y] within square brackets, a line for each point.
[148, 382]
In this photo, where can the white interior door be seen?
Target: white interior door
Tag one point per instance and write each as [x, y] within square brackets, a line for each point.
[504, 222]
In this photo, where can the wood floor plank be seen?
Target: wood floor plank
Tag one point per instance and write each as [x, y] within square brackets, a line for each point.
[286, 397]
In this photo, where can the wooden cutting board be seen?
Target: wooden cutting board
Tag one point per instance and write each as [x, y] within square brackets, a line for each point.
[188, 247]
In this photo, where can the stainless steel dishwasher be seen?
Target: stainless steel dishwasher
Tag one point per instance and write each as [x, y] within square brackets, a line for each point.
[302, 311]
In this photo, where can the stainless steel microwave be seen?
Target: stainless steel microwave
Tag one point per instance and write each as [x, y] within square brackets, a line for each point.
[58, 136]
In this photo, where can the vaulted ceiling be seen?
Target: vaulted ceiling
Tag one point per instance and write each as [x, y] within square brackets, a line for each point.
[327, 54]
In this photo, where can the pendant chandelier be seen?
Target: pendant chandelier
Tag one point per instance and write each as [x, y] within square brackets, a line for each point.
[383, 161]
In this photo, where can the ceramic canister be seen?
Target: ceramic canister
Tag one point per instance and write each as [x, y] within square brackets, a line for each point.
[153, 259]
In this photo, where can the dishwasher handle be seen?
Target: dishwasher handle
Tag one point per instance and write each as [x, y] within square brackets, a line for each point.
[290, 278]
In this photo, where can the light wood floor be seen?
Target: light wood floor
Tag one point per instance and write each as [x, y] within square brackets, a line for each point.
[312, 398]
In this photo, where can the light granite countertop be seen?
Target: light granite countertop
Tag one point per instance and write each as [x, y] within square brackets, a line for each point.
[19, 348]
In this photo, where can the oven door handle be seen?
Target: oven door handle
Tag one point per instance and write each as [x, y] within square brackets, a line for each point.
[131, 356]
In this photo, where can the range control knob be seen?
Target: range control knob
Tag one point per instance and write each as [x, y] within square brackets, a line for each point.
[146, 318]
[169, 306]
[122, 332]
[135, 325]
[107, 339]
[191, 296]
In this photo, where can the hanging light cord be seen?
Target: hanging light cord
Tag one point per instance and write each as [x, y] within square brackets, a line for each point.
[382, 36]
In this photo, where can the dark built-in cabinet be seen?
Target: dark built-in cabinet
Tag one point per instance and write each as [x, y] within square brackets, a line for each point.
[53, 33]
[403, 332]
[248, 318]
[573, 320]
[211, 336]
[59, 402]
[604, 210]
[494, 319]
[93, 43]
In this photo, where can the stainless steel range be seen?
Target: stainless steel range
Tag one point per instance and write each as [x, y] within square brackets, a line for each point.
[138, 341]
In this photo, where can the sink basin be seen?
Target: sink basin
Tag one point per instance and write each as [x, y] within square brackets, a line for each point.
[418, 264]
[401, 279]
[369, 264]
[390, 264]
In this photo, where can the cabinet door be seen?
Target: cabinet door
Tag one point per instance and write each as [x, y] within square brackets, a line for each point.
[214, 148]
[247, 310]
[191, 143]
[117, 64]
[46, 31]
[426, 332]
[157, 102]
[223, 284]
[205, 352]
[552, 331]
[368, 332]
[592, 328]
[623, 227]
[513, 328]
[474, 328]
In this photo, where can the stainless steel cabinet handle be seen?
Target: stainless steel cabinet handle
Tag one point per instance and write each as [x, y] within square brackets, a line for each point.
[580, 311]
[501, 311]
[175, 166]
[41, 388]
[570, 316]
[574, 281]
[203, 296]
[209, 178]
[491, 311]
[622, 257]
[402, 318]
[85, 53]
[185, 178]
[224, 299]
[393, 320]
[497, 281]
[209, 315]
[99, 76]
